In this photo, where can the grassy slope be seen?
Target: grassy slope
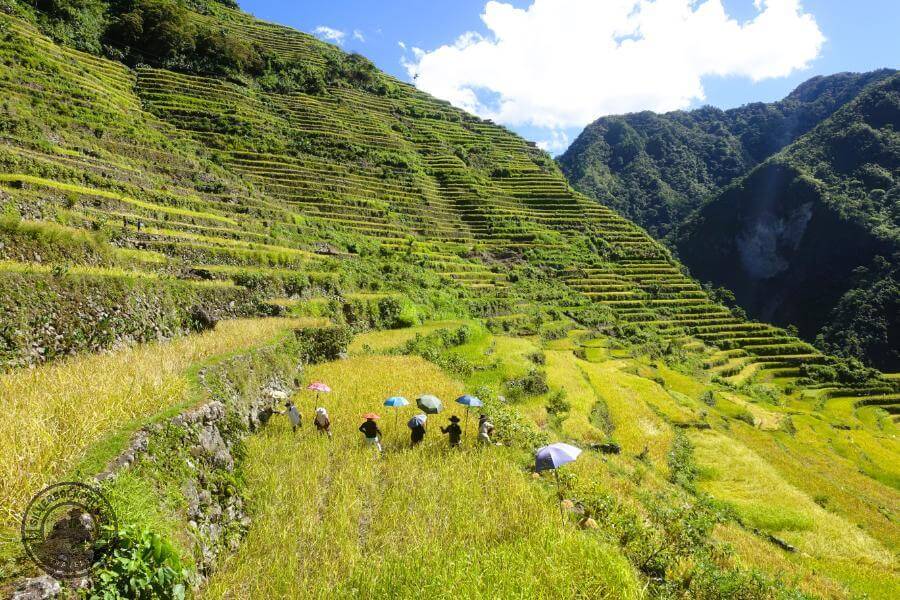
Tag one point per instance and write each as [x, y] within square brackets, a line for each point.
[227, 175]
[333, 519]
[56, 414]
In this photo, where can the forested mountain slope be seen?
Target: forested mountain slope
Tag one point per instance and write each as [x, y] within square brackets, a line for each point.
[812, 236]
[164, 163]
[658, 168]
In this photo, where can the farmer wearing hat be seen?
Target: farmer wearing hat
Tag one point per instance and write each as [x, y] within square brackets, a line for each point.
[453, 430]
[417, 428]
[372, 432]
[322, 422]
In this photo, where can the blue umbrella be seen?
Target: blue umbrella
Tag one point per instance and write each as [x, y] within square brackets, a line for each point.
[553, 457]
[430, 404]
[396, 402]
[469, 401]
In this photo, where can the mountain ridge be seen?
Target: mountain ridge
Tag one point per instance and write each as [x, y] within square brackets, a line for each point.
[658, 168]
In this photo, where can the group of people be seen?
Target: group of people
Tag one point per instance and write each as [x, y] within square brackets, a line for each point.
[373, 433]
[322, 421]
[418, 427]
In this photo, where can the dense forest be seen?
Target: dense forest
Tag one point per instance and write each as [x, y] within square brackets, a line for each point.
[658, 168]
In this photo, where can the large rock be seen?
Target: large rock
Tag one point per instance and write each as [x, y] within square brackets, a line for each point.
[215, 448]
[38, 588]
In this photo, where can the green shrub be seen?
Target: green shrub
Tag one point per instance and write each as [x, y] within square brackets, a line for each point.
[683, 470]
[511, 428]
[154, 31]
[136, 563]
[322, 344]
[77, 22]
[533, 384]
[557, 404]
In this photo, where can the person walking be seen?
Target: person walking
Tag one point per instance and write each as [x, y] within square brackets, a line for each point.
[322, 422]
[293, 415]
[485, 430]
[372, 432]
[454, 431]
[417, 428]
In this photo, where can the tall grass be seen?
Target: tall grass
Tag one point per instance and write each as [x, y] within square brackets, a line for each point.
[52, 414]
[333, 520]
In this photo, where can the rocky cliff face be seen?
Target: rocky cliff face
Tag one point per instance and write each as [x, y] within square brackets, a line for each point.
[814, 227]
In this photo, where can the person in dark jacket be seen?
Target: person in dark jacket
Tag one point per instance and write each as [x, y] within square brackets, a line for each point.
[417, 429]
[372, 432]
[454, 431]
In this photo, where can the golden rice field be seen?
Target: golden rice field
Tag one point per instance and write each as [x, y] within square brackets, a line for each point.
[53, 413]
[333, 520]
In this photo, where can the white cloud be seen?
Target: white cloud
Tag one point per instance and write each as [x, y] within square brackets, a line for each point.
[358, 35]
[557, 142]
[563, 63]
[402, 46]
[329, 33]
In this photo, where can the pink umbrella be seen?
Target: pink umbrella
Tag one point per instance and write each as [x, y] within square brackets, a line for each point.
[318, 387]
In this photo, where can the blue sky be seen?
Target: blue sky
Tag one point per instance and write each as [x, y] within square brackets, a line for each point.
[539, 97]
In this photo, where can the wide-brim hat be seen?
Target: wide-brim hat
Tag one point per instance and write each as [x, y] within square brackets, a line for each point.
[455, 419]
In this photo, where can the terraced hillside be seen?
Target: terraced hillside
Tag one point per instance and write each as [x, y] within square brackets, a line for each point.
[193, 176]
[140, 203]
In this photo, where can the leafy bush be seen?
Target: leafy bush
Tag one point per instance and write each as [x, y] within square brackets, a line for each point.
[848, 371]
[154, 31]
[557, 403]
[77, 22]
[137, 563]
[511, 427]
[668, 539]
[533, 384]
[322, 344]
[708, 398]
[683, 470]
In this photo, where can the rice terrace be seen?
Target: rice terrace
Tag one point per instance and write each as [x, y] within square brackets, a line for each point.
[277, 323]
